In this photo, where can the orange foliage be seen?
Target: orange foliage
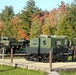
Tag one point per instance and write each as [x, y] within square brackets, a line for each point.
[45, 30]
[53, 17]
[23, 34]
[1, 25]
[63, 8]
[40, 16]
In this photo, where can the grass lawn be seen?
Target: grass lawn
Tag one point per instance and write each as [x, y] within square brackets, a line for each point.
[8, 70]
[67, 73]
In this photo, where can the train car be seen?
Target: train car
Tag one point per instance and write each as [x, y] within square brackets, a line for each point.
[39, 48]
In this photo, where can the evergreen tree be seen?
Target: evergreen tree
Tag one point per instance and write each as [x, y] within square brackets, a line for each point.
[27, 14]
[6, 16]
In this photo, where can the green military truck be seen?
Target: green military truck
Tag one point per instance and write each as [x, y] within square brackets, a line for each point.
[39, 48]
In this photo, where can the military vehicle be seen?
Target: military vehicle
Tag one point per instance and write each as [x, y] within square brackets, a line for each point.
[39, 48]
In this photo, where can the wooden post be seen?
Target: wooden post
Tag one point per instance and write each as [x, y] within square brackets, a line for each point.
[75, 53]
[15, 66]
[11, 55]
[51, 60]
[2, 53]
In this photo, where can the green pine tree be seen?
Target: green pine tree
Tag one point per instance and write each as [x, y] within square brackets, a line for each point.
[6, 16]
[27, 14]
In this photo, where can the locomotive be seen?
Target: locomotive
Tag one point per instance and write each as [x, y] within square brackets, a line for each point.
[8, 43]
[39, 48]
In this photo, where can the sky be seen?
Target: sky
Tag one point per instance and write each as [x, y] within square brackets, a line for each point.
[18, 5]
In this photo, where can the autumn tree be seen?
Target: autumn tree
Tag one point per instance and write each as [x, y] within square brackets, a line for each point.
[23, 34]
[53, 19]
[68, 24]
[47, 28]
[62, 11]
[35, 28]
[15, 27]
[65, 28]
[6, 16]
[1, 28]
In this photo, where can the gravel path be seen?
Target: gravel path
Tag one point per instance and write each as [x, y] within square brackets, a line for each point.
[38, 65]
